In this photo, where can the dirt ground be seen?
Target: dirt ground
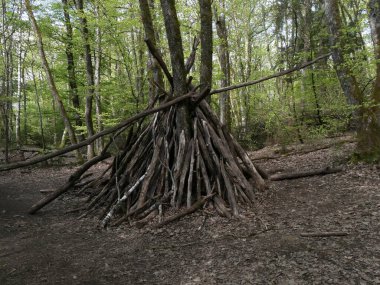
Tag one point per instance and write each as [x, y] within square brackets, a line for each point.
[265, 246]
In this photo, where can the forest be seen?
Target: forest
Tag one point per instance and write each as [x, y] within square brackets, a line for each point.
[193, 124]
[103, 71]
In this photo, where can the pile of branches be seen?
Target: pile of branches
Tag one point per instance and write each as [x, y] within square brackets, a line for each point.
[161, 167]
[167, 164]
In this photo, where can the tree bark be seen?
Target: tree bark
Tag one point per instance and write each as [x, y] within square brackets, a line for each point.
[338, 43]
[89, 76]
[206, 43]
[49, 75]
[173, 34]
[98, 99]
[369, 134]
[150, 35]
[73, 86]
[224, 59]
[175, 46]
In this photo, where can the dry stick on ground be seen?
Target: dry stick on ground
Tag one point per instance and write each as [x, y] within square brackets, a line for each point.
[324, 234]
[295, 175]
[185, 212]
[73, 178]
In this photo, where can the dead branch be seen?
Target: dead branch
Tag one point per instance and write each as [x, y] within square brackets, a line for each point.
[71, 182]
[191, 59]
[324, 234]
[103, 133]
[295, 175]
[185, 212]
[157, 55]
[278, 74]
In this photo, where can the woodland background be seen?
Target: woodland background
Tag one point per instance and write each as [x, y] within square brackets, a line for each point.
[96, 52]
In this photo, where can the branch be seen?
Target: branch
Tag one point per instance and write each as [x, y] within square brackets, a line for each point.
[191, 59]
[278, 74]
[158, 57]
[103, 133]
[196, 98]
[73, 178]
[185, 212]
[324, 234]
[295, 175]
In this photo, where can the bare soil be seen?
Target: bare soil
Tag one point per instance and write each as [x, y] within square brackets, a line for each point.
[264, 246]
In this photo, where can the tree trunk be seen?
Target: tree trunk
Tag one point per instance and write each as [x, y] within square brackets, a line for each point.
[50, 78]
[206, 43]
[89, 76]
[173, 34]
[338, 43]
[7, 79]
[150, 35]
[224, 59]
[73, 86]
[98, 100]
[369, 134]
[40, 120]
[19, 95]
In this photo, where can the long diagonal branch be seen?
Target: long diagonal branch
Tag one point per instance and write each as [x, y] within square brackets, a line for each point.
[196, 97]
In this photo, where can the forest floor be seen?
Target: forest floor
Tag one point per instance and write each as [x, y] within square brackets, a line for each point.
[265, 246]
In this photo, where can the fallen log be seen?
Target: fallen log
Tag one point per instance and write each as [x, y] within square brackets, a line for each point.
[296, 175]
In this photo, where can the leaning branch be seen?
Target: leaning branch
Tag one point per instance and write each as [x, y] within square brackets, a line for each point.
[157, 55]
[103, 133]
[196, 98]
[278, 74]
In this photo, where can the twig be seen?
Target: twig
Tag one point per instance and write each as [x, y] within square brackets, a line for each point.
[324, 234]
[187, 211]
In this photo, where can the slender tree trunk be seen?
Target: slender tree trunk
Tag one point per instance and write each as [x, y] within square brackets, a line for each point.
[19, 95]
[206, 43]
[40, 120]
[89, 76]
[98, 101]
[49, 75]
[6, 88]
[369, 134]
[175, 46]
[177, 60]
[224, 58]
[151, 36]
[346, 78]
[73, 86]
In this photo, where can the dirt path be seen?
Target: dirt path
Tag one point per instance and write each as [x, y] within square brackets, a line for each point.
[264, 247]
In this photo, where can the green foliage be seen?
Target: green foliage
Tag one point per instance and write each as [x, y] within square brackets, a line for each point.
[263, 36]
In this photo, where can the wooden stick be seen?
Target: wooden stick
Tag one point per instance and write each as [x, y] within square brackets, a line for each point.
[324, 234]
[295, 175]
[103, 133]
[278, 74]
[159, 59]
[185, 212]
[73, 178]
